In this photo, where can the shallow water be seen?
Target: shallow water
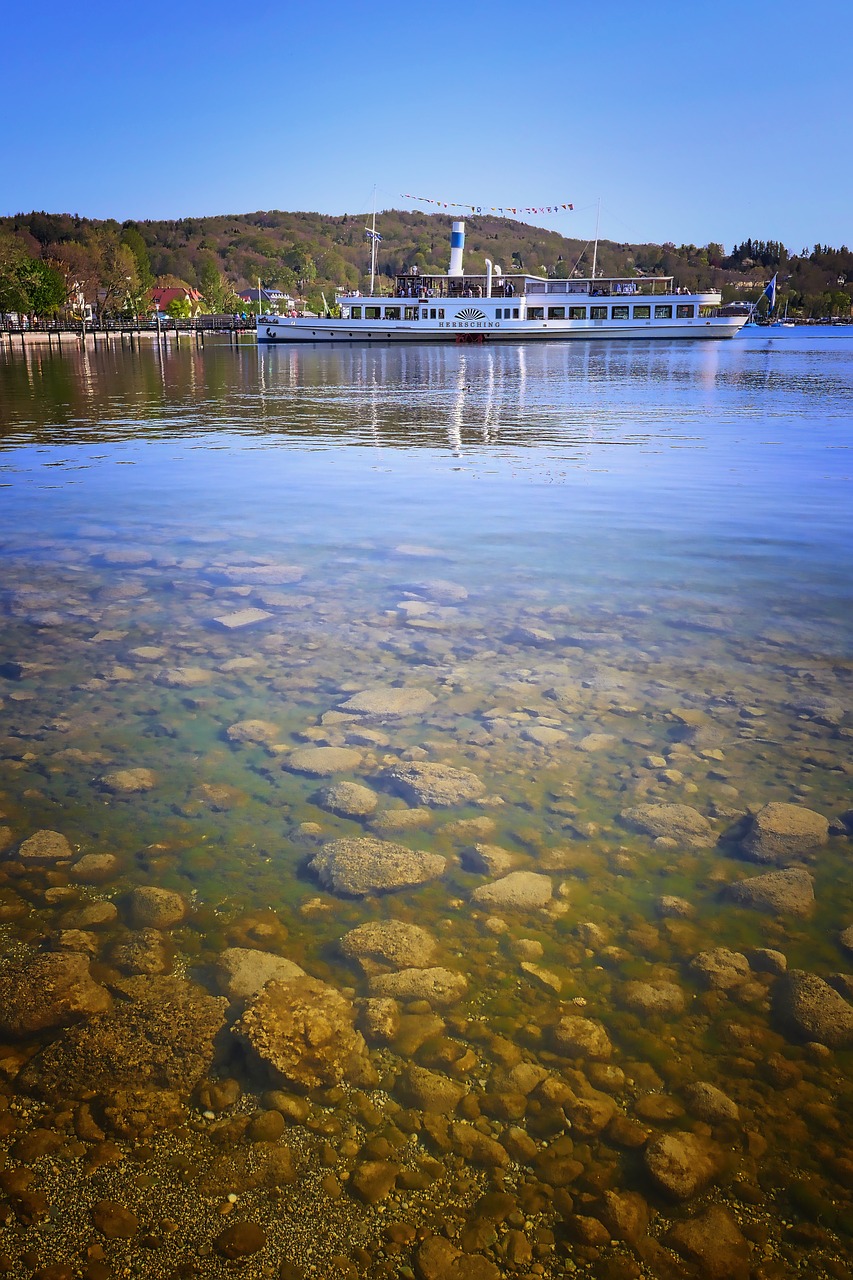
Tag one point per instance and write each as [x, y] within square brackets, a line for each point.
[646, 543]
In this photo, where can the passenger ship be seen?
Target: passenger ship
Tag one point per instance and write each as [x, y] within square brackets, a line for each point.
[509, 308]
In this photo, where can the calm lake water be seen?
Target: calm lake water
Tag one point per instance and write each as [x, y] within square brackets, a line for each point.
[622, 574]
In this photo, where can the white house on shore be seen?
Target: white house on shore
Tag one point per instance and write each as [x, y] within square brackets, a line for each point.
[272, 299]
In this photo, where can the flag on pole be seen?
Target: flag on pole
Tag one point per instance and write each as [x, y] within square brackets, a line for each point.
[770, 294]
[372, 235]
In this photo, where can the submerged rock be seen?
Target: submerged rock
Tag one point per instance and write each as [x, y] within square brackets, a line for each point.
[388, 704]
[367, 865]
[159, 1034]
[436, 785]
[576, 1037]
[393, 821]
[489, 859]
[714, 1242]
[658, 999]
[144, 952]
[349, 799]
[128, 782]
[243, 972]
[392, 943]
[242, 618]
[94, 868]
[304, 1031]
[320, 762]
[153, 908]
[438, 1259]
[776, 892]
[720, 968]
[379, 1018]
[709, 1103]
[813, 1010]
[440, 987]
[429, 1090]
[185, 677]
[255, 731]
[441, 590]
[241, 1240]
[677, 822]
[520, 890]
[44, 848]
[681, 1164]
[780, 832]
[46, 992]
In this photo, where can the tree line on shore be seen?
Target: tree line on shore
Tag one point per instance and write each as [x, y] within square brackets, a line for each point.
[60, 263]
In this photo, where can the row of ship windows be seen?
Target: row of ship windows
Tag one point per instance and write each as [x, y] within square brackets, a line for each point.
[662, 311]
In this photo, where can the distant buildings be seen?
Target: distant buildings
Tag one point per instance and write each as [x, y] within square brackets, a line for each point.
[161, 298]
[271, 299]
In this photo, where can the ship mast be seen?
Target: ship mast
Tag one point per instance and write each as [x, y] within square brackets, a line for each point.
[373, 244]
[595, 248]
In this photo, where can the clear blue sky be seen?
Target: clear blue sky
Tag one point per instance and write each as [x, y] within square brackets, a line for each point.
[692, 121]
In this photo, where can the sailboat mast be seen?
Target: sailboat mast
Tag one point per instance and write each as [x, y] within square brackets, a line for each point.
[373, 245]
[595, 249]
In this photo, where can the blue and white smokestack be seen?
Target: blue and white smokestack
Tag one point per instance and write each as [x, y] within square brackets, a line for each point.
[457, 247]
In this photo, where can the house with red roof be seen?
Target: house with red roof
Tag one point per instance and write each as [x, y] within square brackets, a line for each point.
[160, 298]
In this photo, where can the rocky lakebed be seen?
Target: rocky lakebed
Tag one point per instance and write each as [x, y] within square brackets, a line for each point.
[357, 923]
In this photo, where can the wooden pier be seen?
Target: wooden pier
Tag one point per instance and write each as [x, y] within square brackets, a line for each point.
[130, 332]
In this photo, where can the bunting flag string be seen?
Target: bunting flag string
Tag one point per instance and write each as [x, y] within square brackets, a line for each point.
[557, 207]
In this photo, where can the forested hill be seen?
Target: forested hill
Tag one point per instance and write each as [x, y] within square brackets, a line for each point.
[306, 253]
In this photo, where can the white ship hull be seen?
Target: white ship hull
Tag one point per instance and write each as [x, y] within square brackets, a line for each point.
[285, 329]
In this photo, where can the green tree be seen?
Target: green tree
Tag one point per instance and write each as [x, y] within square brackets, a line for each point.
[28, 285]
[180, 309]
[219, 296]
[45, 288]
[118, 279]
[132, 237]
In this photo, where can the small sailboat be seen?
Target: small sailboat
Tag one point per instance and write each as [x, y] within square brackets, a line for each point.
[782, 322]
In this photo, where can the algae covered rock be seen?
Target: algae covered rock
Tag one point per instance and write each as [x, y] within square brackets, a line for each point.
[243, 971]
[389, 703]
[349, 799]
[435, 785]
[776, 892]
[720, 968]
[714, 1242]
[44, 848]
[519, 891]
[813, 1010]
[709, 1103]
[320, 762]
[682, 1164]
[429, 1090]
[46, 992]
[128, 782]
[576, 1037]
[780, 832]
[440, 987]
[678, 822]
[152, 908]
[394, 944]
[253, 731]
[94, 868]
[304, 1031]
[368, 865]
[656, 999]
[160, 1033]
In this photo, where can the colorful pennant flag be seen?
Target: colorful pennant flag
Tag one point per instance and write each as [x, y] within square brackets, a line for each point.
[557, 207]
